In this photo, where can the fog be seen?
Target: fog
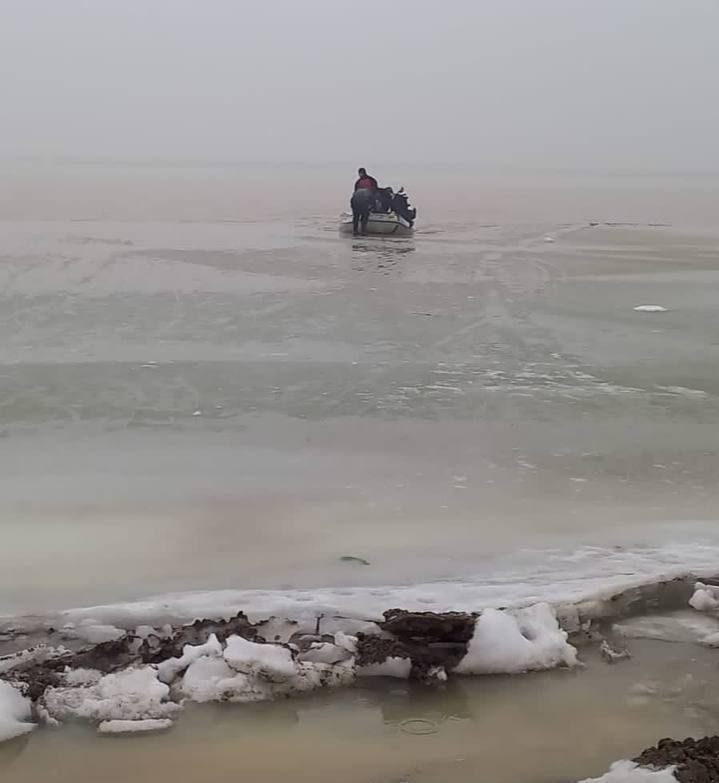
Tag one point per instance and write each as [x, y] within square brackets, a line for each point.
[558, 83]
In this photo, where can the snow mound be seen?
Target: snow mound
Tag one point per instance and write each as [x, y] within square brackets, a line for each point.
[513, 642]
[15, 713]
[132, 694]
[270, 661]
[134, 726]
[705, 598]
[629, 772]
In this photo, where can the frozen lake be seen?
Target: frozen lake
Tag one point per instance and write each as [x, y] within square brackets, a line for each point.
[204, 386]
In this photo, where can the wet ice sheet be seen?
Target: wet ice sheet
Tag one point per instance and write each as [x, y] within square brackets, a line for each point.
[588, 574]
[220, 389]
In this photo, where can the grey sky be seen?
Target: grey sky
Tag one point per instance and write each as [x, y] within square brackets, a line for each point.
[529, 82]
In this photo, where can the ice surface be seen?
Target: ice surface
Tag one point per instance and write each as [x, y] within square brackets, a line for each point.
[38, 654]
[132, 694]
[589, 573]
[270, 661]
[629, 772]
[93, 633]
[134, 726]
[682, 626]
[15, 713]
[511, 642]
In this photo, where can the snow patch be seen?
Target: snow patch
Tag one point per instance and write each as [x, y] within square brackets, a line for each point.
[513, 642]
[15, 713]
[93, 632]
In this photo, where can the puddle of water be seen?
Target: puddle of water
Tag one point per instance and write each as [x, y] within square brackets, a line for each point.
[554, 726]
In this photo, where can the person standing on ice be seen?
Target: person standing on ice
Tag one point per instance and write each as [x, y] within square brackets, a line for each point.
[363, 200]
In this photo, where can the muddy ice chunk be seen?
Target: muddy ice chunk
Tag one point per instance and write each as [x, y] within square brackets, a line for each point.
[269, 661]
[315, 676]
[81, 677]
[212, 679]
[324, 652]
[26, 659]
[428, 627]
[15, 713]
[346, 642]
[705, 597]
[613, 655]
[167, 670]
[145, 631]
[170, 643]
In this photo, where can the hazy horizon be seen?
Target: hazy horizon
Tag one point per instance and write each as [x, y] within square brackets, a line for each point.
[557, 85]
